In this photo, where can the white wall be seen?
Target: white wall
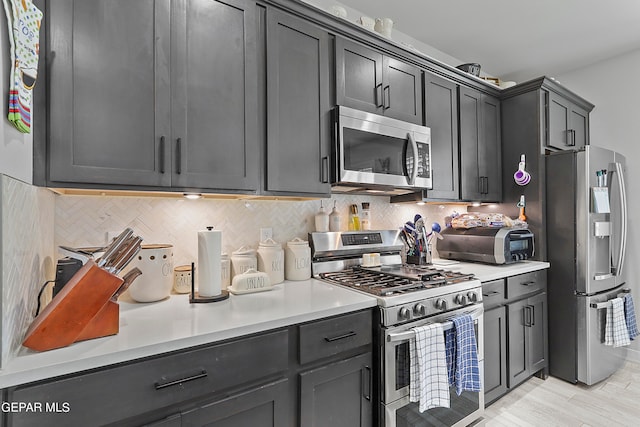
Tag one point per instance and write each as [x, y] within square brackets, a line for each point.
[16, 149]
[615, 124]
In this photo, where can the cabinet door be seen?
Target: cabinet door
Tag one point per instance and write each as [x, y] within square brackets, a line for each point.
[358, 77]
[214, 91]
[109, 97]
[518, 344]
[579, 125]
[337, 395]
[495, 353]
[298, 110]
[538, 332]
[470, 134]
[489, 150]
[402, 91]
[441, 106]
[263, 406]
[568, 124]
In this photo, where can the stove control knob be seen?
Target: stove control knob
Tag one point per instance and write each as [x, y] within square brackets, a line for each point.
[404, 314]
[419, 310]
[441, 304]
[473, 297]
[461, 299]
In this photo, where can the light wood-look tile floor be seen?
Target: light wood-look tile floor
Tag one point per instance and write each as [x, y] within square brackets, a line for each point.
[553, 402]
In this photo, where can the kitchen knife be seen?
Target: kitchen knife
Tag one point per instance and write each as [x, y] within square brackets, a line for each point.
[132, 250]
[114, 247]
[128, 280]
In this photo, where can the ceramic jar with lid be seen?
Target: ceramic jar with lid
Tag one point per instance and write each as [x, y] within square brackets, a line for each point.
[297, 260]
[156, 263]
[271, 260]
[242, 260]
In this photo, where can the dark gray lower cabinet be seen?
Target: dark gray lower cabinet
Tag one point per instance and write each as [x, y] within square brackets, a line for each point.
[515, 326]
[527, 337]
[338, 394]
[495, 353]
[262, 406]
[259, 380]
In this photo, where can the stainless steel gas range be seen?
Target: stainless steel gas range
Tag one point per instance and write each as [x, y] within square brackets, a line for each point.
[408, 296]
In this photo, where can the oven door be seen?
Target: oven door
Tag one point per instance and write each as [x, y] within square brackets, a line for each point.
[398, 411]
[377, 150]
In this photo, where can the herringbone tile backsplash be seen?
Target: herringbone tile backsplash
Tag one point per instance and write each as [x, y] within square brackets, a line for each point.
[88, 220]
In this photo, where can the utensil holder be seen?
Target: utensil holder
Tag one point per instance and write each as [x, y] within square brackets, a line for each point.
[82, 310]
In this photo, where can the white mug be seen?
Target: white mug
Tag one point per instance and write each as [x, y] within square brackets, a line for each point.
[367, 22]
[384, 26]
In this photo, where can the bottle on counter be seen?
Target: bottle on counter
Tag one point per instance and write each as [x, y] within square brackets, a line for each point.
[335, 223]
[354, 218]
[365, 216]
[322, 219]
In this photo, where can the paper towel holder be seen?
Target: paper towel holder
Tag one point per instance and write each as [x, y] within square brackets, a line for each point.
[195, 297]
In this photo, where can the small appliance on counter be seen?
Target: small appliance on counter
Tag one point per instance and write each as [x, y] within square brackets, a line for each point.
[490, 245]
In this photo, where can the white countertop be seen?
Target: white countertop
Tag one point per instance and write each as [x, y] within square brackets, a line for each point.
[488, 272]
[174, 324]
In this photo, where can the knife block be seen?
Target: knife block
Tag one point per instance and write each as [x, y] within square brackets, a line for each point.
[82, 310]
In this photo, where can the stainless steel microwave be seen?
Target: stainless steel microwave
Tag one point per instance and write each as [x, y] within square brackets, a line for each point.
[378, 152]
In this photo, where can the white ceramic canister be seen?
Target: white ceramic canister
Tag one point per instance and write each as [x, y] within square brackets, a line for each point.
[225, 266]
[271, 260]
[242, 260]
[156, 281]
[297, 260]
[182, 279]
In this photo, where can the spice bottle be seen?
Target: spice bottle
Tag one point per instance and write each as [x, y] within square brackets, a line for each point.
[354, 218]
[322, 219]
[335, 223]
[365, 216]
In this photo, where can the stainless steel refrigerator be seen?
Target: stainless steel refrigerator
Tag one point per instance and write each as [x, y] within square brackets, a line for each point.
[586, 238]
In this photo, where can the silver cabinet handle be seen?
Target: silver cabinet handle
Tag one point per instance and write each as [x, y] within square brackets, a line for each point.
[387, 97]
[324, 173]
[341, 337]
[414, 148]
[378, 94]
[366, 382]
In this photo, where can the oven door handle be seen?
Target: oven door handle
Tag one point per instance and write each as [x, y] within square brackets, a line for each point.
[448, 324]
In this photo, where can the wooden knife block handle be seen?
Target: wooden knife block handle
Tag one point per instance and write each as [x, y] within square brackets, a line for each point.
[82, 310]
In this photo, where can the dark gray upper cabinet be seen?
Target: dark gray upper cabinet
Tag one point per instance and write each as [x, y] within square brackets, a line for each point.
[153, 93]
[213, 69]
[480, 155]
[109, 92]
[441, 107]
[568, 123]
[298, 109]
[369, 81]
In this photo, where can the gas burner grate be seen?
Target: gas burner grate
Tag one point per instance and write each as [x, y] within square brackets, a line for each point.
[377, 283]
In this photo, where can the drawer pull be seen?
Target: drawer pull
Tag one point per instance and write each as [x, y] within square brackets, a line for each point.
[528, 283]
[340, 337]
[490, 294]
[161, 385]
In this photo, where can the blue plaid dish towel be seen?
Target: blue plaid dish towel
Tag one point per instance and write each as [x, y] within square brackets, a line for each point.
[462, 355]
[630, 316]
[615, 328]
[428, 383]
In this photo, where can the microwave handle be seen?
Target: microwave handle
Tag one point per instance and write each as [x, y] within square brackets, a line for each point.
[414, 148]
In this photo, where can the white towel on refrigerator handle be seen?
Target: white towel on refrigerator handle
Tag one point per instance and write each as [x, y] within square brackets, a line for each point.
[615, 330]
[429, 383]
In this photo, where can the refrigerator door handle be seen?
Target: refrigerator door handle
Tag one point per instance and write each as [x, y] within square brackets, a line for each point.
[623, 218]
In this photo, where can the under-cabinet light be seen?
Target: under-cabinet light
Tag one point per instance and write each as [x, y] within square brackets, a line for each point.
[192, 196]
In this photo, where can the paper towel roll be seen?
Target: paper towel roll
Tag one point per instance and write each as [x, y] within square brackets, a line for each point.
[209, 269]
